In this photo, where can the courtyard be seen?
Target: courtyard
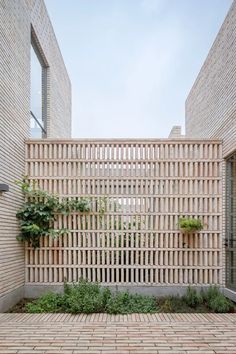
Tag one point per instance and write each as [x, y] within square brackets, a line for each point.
[114, 238]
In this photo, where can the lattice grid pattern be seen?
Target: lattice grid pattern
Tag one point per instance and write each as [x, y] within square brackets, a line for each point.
[144, 187]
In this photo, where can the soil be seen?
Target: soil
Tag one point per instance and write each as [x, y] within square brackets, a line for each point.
[20, 307]
[179, 306]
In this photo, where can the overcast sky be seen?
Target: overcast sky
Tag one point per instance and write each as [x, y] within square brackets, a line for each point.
[133, 62]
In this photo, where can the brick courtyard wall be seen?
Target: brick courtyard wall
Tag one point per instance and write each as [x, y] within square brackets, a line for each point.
[16, 19]
[58, 82]
[211, 103]
[147, 186]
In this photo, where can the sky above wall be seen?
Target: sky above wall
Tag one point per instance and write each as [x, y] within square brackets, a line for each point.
[132, 63]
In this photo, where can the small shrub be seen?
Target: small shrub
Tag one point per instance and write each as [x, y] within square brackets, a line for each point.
[49, 302]
[123, 303]
[211, 293]
[193, 298]
[216, 301]
[190, 224]
[220, 304]
[86, 297]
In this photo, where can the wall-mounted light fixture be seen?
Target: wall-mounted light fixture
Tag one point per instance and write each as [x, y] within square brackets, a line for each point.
[4, 188]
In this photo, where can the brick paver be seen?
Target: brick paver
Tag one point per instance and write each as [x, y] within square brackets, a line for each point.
[102, 333]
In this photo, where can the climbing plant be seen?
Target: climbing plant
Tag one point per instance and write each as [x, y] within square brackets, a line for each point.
[37, 215]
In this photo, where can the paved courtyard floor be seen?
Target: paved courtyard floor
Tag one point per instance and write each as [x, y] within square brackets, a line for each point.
[102, 333]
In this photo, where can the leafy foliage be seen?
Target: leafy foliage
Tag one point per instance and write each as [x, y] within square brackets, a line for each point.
[193, 298]
[190, 224]
[220, 304]
[86, 297]
[37, 215]
[217, 302]
[211, 293]
[49, 302]
[123, 303]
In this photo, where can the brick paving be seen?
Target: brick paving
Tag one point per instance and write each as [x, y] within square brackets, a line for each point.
[102, 333]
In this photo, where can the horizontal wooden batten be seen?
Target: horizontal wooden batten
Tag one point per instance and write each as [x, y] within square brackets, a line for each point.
[152, 183]
[124, 141]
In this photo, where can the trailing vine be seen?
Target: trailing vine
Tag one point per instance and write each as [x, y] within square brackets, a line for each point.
[102, 206]
[37, 215]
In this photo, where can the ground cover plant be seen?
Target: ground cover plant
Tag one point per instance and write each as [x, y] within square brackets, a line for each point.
[86, 297]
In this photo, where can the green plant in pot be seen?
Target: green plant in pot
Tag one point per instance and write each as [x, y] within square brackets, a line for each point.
[190, 225]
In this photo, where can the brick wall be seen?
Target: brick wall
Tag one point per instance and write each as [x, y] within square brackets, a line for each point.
[211, 104]
[59, 87]
[16, 17]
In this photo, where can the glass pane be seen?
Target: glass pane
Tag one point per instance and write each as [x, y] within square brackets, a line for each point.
[36, 87]
[35, 129]
[231, 269]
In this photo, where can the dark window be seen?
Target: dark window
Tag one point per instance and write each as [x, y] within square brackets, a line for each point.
[38, 93]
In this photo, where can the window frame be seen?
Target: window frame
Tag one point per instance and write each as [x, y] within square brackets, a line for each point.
[35, 44]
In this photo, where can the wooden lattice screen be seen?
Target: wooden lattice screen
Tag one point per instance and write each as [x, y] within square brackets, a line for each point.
[145, 186]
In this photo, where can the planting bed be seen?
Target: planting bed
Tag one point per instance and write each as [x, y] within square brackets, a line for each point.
[85, 297]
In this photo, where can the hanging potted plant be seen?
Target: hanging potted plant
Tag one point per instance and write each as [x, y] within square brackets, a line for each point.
[190, 225]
